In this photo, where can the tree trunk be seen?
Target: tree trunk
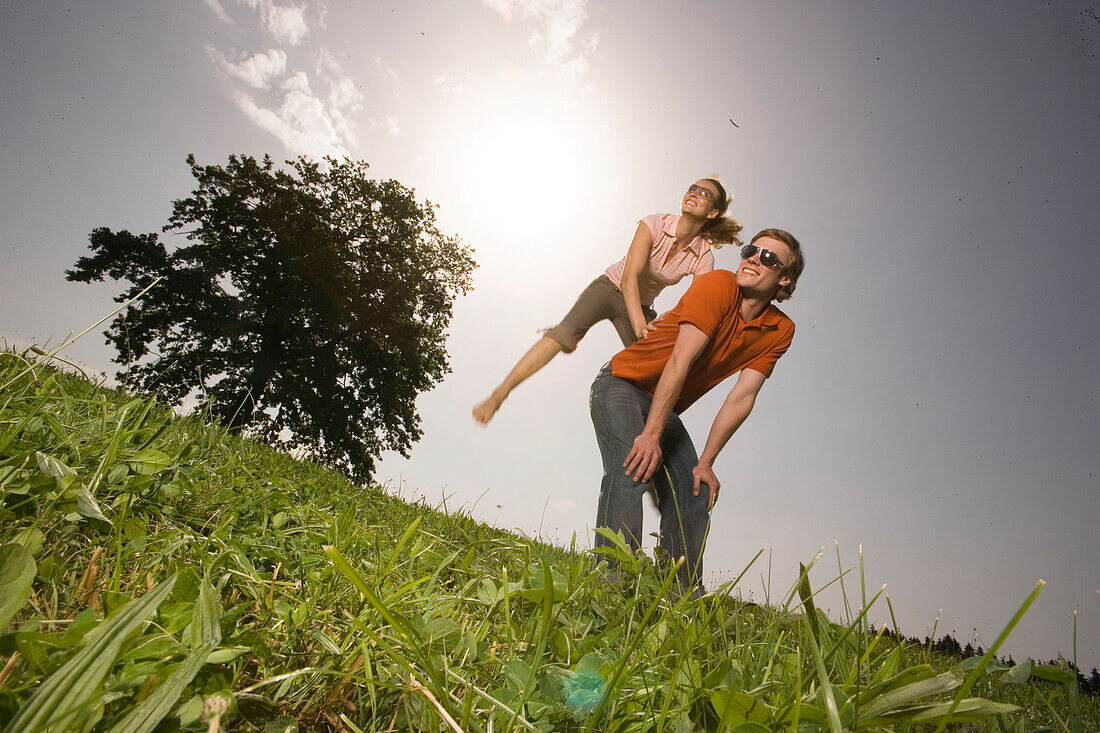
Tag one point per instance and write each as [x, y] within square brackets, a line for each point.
[244, 406]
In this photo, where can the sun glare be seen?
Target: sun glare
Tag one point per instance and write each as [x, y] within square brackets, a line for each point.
[519, 161]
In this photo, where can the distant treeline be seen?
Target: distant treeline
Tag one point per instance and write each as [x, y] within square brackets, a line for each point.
[949, 646]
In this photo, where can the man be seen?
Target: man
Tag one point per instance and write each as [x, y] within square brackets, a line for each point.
[725, 323]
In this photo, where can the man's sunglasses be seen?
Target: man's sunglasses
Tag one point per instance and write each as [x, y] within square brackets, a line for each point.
[768, 258]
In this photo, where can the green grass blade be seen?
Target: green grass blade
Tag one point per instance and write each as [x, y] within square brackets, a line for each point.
[856, 624]
[356, 579]
[112, 450]
[14, 432]
[399, 547]
[990, 654]
[823, 678]
[805, 592]
[547, 608]
[620, 668]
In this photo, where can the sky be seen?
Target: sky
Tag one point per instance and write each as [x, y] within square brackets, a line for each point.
[938, 409]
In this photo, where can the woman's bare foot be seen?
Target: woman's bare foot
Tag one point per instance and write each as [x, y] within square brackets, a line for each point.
[536, 358]
[484, 412]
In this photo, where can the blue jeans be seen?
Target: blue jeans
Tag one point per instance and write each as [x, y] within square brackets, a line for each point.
[619, 411]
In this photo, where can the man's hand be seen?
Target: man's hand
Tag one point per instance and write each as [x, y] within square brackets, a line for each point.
[643, 459]
[704, 474]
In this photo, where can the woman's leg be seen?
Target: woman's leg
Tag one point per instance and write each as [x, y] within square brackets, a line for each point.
[620, 319]
[536, 358]
[590, 308]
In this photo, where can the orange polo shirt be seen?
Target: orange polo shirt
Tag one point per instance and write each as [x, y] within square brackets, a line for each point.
[713, 305]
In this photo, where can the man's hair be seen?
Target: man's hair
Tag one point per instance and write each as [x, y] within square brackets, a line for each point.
[798, 263]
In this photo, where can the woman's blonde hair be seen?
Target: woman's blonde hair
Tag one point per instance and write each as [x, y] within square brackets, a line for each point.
[722, 229]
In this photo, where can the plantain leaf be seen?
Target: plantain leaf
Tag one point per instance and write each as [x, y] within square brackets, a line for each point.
[909, 693]
[441, 630]
[1019, 674]
[79, 681]
[1053, 673]
[206, 617]
[150, 711]
[969, 710]
[149, 461]
[31, 538]
[17, 570]
[740, 707]
[87, 507]
[227, 654]
[69, 483]
[50, 466]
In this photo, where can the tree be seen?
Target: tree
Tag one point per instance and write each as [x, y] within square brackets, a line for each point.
[308, 305]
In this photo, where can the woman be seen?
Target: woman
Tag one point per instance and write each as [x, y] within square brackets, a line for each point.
[666, 247]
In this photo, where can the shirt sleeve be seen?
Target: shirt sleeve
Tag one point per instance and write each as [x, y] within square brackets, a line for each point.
[706, 301]
[765, 363]
[653, 223]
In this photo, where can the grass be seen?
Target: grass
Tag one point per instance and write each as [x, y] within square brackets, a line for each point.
[160, 574]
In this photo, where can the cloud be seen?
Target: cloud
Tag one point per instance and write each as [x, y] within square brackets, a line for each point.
[327, 63]
[563, 505]
[300, 123]
[388, 123]
[385, 73]
[557, 24]
[447, 85]
[344, 93]
[285, 22]
[560, 21]
[218, 11]
[304, 121]
[316, 113]
[257, 71]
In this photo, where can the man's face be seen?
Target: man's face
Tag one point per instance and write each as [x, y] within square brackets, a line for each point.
[754, 277]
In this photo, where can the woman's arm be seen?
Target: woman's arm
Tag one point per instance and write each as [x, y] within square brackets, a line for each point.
[637, 259]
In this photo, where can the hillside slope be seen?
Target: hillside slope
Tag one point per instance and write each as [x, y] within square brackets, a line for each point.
[160, 574]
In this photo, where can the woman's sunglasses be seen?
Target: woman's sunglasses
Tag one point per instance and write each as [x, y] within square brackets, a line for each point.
[701, 192]
[768, 258]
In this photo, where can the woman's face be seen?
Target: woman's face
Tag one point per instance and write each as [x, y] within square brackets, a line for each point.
[701, 200]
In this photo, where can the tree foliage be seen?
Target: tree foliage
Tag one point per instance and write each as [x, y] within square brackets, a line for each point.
[308, 304]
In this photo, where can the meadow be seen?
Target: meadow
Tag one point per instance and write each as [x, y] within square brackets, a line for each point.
[160, 574]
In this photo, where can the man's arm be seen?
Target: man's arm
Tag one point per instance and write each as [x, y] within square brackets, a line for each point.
[645, 455]
[734, 410]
